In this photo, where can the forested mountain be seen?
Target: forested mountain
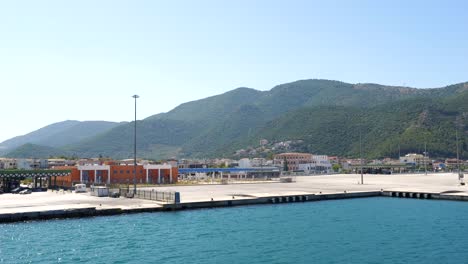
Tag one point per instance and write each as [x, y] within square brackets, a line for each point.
[326, 116]
[33, 151]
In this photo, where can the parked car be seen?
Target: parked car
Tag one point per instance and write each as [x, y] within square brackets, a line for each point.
[19, 189]
[114, 194]
[26, 191]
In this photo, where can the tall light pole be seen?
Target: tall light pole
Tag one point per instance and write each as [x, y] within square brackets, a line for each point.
[360, 155]
[458, 156]
[425, 158]
[134, 148]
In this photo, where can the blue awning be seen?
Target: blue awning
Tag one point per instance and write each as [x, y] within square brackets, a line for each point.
[206, 170]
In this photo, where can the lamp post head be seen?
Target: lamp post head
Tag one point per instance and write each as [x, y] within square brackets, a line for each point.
[136, 96]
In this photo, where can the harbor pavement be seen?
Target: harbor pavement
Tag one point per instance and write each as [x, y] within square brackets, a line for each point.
[324, 184]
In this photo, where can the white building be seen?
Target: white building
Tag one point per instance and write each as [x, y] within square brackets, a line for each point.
[318, 164]
[245, 163]
[258, 162]
[415, 159]
[28, 164]
[7, 164]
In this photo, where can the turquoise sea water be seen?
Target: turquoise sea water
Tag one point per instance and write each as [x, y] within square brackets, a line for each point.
[370, 230]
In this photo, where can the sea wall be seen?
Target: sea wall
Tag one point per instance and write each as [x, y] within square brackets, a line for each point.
[235, 201]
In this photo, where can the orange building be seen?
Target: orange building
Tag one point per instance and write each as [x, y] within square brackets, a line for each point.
[121, 174]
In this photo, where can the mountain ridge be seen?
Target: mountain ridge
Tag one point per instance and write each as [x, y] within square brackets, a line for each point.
[216, 125]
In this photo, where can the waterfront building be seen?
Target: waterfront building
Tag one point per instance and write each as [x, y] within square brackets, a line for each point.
[228, 163]
[415, 159]
[172, 162]
[113, 173]
[27, 164]
[348, 163]
[190, 164]
[318, 164]
[334, 159]
[90, 161]
[228, 173]
[7, 163]
[453, 164]
[292, 159]
[249, 163]
[245, 163]
[60, 162]
[258, 162]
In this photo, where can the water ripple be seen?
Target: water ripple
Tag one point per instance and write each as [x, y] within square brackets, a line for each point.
[374, 230]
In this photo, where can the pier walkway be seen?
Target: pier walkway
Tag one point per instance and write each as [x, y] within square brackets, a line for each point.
[325, 184]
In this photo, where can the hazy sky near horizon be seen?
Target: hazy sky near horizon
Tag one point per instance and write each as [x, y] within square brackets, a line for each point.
[83, 60]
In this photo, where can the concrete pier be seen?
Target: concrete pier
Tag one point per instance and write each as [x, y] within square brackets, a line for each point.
[49, 205]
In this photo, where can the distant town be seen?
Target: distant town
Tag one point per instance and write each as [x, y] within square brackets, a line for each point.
[108, 171]
[300, 163]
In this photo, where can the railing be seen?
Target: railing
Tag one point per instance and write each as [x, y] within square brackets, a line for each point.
[168, 197]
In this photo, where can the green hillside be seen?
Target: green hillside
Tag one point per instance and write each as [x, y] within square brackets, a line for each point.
[386, 129]
[308, 93]
[222, 137]
[156, 139]
[36, 151]
[213, 108]
[78, 132]
[326, 115]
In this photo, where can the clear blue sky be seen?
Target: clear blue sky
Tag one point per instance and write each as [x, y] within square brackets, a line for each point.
[84, 59]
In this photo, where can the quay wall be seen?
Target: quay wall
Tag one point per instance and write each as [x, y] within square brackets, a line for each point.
[270, 200]
[236, 201]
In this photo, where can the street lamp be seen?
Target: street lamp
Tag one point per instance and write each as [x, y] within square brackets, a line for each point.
[134, 149]
[360, 154]
[425, 158]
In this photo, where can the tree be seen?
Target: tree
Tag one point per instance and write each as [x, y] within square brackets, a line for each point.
[285, 164]
[270, 155]
[336, 167]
